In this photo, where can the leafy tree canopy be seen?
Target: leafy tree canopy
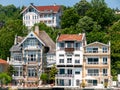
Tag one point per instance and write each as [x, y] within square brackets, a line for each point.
[100, 13]
[7, 34]
[69, 18]
[4, 78]
[81, 7]
[87, 24]
[44, 77]
[53, 72]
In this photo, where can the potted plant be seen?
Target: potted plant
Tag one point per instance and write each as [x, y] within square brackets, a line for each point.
[105, 84]
[83, 84]
[44, 78]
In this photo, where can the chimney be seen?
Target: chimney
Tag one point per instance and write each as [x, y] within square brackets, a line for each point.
[15, 41]
[79, 34]
[37, 30]
[32, 4]
[8, 59]
[54, 4]
[58, 36]
[109, 43]
[59, 33]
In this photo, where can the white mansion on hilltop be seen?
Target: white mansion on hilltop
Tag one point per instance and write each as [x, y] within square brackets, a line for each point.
[50, 15]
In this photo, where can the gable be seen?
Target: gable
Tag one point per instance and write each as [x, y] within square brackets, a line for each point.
[32, 35]
[30, 8]
[95, 44]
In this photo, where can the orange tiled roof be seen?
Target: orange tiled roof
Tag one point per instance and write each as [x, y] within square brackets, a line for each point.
[48, 8]
[3, 61]
[70, 37]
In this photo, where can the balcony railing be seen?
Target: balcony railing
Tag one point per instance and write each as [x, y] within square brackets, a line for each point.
[69, 49]
[18, 77]
[104, 74]
[96, 63]
[105, 63]
[97, 74]
[64, 75]
[93, 63]
[96, 51]
[93, 74]
[32, 47]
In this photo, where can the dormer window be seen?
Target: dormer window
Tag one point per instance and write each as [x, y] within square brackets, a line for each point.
[31, 9]
[31, 35]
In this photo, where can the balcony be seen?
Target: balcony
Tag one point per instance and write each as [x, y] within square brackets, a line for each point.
[93, 63]
[96, 52]
[16, 62]
[96, 65]
[18, 77]
[93, 74]
[36, 47]
[64, 75]
[97, 74]
[33, 63]
[69, 49]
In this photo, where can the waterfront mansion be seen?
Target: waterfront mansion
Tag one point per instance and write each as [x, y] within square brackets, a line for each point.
[77, 62]
[28, 57]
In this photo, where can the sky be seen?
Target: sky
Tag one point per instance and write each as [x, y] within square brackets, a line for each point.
[111, 3]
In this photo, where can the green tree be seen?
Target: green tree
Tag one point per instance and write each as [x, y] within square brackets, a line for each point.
[115, 27]
[9, 12]
[7, 34]
[5, 78]
[52, 73]
[100, 13]
[44, 77]
[87, 24]
[96, 36]
[69, 18]
[81, 7]
[114, 34]
[10, 70]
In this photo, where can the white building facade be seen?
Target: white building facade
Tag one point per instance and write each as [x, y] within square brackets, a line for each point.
[69, 59]
[50, 15]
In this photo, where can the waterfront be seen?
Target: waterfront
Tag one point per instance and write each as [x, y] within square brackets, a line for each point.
[59, 88]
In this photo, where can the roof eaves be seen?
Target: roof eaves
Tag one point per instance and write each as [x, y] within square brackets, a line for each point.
[35, 36]
[95, 43]
[28, 7]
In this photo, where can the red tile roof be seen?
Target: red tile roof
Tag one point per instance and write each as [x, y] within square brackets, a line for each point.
[48, 8]
[3, 61]
[70, 37]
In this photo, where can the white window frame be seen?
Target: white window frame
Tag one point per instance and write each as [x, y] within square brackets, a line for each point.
[106, 71]
[93, 72]
[105, 60]
[93, 62]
